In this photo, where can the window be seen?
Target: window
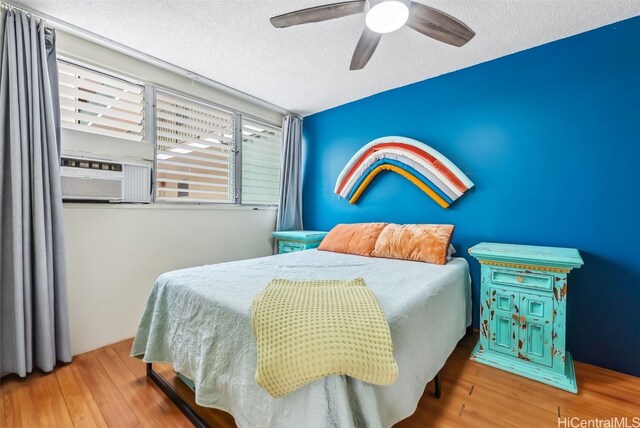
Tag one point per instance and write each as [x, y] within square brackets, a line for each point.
[195, 151]
[94, 102]
[261, 145]
[202, 152]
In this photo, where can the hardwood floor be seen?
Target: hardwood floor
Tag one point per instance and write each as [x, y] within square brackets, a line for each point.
[107, 388]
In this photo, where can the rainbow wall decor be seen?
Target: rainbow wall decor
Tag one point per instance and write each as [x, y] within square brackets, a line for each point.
[425, 167]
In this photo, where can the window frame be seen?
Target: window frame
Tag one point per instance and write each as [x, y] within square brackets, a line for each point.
[234, 149]
[118, 76]
[237, 146]
[239, 133]
[149, 136]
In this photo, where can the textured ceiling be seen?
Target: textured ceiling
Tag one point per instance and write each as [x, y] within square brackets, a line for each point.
[305, 69]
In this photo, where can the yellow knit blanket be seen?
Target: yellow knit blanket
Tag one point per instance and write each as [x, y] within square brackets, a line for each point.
[309, 329]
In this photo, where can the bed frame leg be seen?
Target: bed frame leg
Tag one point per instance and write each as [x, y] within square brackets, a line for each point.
[438, 392]
[171, 393]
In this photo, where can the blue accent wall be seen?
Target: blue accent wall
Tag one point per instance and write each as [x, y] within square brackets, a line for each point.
[551, 138]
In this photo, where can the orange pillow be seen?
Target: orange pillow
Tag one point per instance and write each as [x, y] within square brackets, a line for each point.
[419, 242]
[358, 238]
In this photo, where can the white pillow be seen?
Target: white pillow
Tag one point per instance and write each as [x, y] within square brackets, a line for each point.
[451, 251]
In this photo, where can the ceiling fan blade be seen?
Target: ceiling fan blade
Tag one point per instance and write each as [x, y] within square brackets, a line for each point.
[438, 25]
[364, 49]
[318, 13]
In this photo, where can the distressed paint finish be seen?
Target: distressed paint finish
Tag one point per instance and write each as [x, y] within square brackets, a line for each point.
[523, 311]
[422, 165]
[298, 240]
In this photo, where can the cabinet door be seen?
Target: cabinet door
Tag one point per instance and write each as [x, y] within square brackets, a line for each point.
[503, 321]
[536, 328]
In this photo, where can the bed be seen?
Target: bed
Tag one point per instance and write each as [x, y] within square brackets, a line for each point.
[199, 320]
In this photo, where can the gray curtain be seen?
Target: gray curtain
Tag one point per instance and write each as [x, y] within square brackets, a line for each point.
[290, 204]
[34, 329]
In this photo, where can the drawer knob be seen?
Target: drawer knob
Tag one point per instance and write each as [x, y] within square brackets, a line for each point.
[519, 279]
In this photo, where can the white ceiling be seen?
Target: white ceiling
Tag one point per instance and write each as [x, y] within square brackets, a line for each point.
[305, 69]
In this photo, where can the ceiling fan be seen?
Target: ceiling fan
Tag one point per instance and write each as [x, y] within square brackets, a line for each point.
[383, 16]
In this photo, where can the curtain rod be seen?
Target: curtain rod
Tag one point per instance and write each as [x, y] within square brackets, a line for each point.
[119, 47]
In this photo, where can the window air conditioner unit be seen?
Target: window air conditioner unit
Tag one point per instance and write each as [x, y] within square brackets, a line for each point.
[84, 179]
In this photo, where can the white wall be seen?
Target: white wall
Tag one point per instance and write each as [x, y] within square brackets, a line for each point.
[94, 145]
[115, 252]
[81, 49]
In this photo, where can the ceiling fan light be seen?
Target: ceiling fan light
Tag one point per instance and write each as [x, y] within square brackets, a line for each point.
[387, 16]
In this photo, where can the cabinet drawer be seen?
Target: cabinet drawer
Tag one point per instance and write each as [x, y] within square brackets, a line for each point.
[288, 247]
[522, 279]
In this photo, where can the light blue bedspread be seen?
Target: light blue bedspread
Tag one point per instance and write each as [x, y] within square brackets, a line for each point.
[199, 319]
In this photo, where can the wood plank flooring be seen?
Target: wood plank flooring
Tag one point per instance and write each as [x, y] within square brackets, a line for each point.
[107, 388]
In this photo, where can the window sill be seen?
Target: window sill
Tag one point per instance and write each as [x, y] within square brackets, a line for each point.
[167, 206]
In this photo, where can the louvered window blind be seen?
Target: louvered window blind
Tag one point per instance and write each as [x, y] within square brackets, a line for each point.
[94, 102]
[194, 151]
[261, 147]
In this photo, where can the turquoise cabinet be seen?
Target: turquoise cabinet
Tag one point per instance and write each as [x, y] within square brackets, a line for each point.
[523, 297]
[298, 240]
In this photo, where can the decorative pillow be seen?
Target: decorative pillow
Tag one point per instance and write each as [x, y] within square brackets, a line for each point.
[358, 238]
[419, 242]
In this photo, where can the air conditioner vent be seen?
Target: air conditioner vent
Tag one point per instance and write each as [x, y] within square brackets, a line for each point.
[137, 183]
[83, 188]
[104, 180]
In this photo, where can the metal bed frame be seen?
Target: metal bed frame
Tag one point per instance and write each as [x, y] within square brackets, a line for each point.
[195, 418]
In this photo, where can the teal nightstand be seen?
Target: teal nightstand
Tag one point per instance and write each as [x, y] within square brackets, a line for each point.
[523, 299]
[298, 240]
